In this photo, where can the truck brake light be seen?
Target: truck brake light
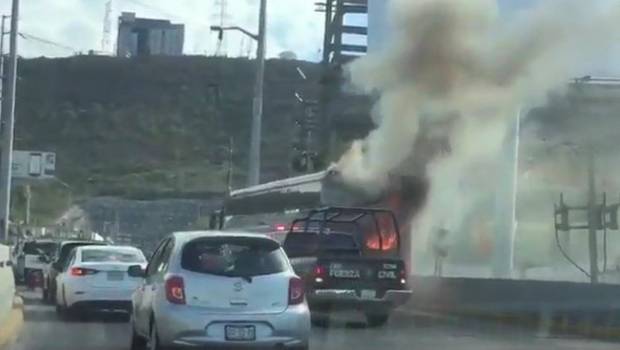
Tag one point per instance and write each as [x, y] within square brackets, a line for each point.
[319, 273]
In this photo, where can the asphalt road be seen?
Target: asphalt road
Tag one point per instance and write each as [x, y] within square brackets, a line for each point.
[43, 331]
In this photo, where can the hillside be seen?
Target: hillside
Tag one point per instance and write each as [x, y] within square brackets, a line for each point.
[157, 127]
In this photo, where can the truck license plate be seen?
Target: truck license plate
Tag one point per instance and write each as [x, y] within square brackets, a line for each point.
[240, 333]
[367, 294]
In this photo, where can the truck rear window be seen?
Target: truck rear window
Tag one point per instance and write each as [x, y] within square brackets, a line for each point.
[299, 244]
[233, 256]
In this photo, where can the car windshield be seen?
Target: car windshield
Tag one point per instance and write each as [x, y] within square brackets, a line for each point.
[234, 257]
[109, 255]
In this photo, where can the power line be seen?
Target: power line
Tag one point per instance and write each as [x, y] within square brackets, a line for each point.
[27, 36]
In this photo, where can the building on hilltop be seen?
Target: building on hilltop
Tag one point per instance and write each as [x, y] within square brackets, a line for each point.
[148, 37]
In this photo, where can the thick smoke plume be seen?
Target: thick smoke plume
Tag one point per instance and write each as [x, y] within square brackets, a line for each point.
[457, 70]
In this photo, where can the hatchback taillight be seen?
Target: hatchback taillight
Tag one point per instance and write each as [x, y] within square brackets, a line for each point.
[175, 290]
[295, 291]
[80, 271]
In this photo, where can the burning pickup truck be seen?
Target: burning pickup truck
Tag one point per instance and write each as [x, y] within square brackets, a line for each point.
[349, 259]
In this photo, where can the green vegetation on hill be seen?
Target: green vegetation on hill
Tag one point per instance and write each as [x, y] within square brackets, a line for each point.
[154, 125]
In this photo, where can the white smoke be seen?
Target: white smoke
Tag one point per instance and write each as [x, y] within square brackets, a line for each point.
[456, 68]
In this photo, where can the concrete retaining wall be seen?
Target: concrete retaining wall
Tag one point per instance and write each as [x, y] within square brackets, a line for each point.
[7, 285]
[557, 304]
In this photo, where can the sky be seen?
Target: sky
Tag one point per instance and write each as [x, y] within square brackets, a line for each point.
[292, 25]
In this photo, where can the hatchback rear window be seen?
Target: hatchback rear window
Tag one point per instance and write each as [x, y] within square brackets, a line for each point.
[234, 257]
[108, 255]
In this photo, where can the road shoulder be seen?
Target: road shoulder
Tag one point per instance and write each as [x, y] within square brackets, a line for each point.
[11, 327]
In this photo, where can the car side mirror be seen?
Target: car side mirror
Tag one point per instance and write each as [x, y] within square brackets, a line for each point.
[136, 271]
[43, 259]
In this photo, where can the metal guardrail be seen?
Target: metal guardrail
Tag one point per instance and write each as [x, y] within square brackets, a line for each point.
[7, 284]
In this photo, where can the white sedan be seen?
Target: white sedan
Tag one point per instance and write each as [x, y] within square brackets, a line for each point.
[95, 279]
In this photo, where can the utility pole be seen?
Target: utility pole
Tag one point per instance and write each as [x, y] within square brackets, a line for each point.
[229, 171]
[257, 105]
[2, 33]
[28, 195]
[8, 121]
[592, 218]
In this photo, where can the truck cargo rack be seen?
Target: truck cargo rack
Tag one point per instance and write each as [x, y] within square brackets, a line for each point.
[344, 215]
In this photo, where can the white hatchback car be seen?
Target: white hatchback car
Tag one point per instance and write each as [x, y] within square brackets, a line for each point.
[96, 278]
[219, 289]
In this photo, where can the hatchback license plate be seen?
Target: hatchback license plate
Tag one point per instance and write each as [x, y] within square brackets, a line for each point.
[240, 333]
[115, 276]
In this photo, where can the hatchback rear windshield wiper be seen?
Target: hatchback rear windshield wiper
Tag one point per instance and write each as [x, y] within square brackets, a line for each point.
[247, 278]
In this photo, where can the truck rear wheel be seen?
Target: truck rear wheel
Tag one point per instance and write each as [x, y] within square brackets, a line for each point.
[377, 320]
[45, 295]
[320, 321]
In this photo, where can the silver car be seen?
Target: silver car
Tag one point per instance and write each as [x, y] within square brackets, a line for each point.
[219, 289]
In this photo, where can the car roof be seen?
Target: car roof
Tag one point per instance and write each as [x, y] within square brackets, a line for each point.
[45, 240]
[186, 236]
[106, 247]
[84, 242]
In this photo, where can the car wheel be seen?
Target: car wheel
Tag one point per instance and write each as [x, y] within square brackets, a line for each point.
[137, 341]
[377, 320]
[52, 296]
[64, 312]
[61, 312]
[153, 341]
[320, 321]
[58, 310]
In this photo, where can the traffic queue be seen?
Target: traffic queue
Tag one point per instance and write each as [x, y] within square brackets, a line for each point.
[221, 288]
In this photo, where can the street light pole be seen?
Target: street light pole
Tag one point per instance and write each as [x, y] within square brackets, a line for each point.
[257, 105]
[2, 33]
[257, 102]
[592, 214]
[8, 121]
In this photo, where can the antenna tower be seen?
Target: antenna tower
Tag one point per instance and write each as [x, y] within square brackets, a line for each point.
[221, 17]
[107, 27]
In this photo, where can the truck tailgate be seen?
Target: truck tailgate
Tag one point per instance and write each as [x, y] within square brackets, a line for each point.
[366, 275]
